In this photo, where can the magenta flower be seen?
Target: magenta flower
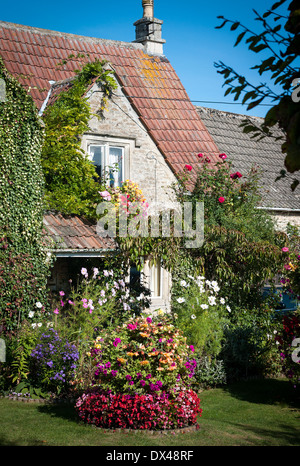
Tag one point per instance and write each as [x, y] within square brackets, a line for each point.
[56, 311]
[62, 293]
[285, 249]
[221, 200]
[223, 156]
[200, 155]
[116, 342]
[149, 320]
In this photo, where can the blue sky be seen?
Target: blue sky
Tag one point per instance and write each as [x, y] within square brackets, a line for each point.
[192, 42]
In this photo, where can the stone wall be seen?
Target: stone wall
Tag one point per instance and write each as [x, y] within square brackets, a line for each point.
[282, 218]
[144, 163]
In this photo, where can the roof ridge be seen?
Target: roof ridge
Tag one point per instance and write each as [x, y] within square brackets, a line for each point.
[37, 30]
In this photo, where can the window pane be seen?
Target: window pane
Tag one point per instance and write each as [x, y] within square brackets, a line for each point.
[97, 157]
[115, 166]
[155, 280]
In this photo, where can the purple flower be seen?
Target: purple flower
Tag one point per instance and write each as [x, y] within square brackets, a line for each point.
[143, 383]
[114, 373]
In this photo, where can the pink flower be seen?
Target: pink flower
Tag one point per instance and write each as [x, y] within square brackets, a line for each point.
[188, 167]
[200, 155]
[62, 293]
[285, 249]
[106, 195]
[192, 348]
[223, 156]
[149, 320]
[56, 311]
[221, 200]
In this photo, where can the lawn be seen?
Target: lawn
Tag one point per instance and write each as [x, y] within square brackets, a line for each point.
[252, 413]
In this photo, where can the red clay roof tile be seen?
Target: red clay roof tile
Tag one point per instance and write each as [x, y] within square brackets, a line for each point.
[149, 82]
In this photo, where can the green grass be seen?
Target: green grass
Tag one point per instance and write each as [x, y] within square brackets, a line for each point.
[253, 413]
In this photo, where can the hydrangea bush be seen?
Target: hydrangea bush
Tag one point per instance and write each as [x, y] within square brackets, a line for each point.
[145, 369]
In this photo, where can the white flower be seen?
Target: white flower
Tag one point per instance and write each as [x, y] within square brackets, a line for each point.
[33, 325]
[105, 273]
[200, 278]
[204, 306]
[102, 293]
[39, 324]
[39, 305]
[180, 300]
[228, 308]
[222, 301]
[193, 316]
[212, 300]
[183, 283]
[30, 314]
[96, 271]
[84, 271]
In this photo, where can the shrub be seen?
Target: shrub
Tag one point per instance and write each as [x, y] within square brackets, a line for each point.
[53, 363]
[210, 372]
[202, 313]
[288, 342]
[144, 355]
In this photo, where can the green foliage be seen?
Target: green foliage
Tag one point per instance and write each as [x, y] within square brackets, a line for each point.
[241, 249]
[202, 314]
[71, 180]
[23, 258]
[210, 372]
[20, 351]
[279, 43]
[144, 355]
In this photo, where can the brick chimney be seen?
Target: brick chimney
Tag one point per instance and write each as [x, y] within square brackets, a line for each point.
[148, 30]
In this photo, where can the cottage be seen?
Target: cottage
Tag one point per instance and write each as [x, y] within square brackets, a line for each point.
[150, 127]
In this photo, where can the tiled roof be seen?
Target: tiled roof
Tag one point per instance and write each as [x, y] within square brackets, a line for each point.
[74, 234]
[149, 81]
[244, 152]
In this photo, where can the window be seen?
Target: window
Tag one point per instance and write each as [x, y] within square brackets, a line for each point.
[156, 281]
[109, 162]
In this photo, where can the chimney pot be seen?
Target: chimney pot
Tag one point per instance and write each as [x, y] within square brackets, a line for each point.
[148, 7]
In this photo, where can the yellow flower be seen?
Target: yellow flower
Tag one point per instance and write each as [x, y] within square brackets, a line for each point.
[144, 363]
[122, 360]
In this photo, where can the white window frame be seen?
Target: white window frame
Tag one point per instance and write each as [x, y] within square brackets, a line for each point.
[106, 148]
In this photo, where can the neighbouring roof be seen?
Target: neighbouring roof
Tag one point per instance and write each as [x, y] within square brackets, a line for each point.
[149, 82]
[244, 152]
[71, 233]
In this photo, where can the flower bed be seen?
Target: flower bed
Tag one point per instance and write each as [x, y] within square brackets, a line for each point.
[142, 378]
[151, 412]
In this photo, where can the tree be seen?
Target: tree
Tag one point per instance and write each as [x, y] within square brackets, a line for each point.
[280, 43]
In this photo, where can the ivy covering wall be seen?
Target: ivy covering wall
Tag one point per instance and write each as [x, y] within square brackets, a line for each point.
[23, 258]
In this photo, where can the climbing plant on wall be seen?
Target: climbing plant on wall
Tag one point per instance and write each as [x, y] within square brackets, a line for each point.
[72, 183]
[23, 256]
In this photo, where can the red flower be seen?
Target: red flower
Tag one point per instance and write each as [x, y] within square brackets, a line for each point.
[221, 199]
[236, 175]
[200, 155]
[188, 167]
[223, 156]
